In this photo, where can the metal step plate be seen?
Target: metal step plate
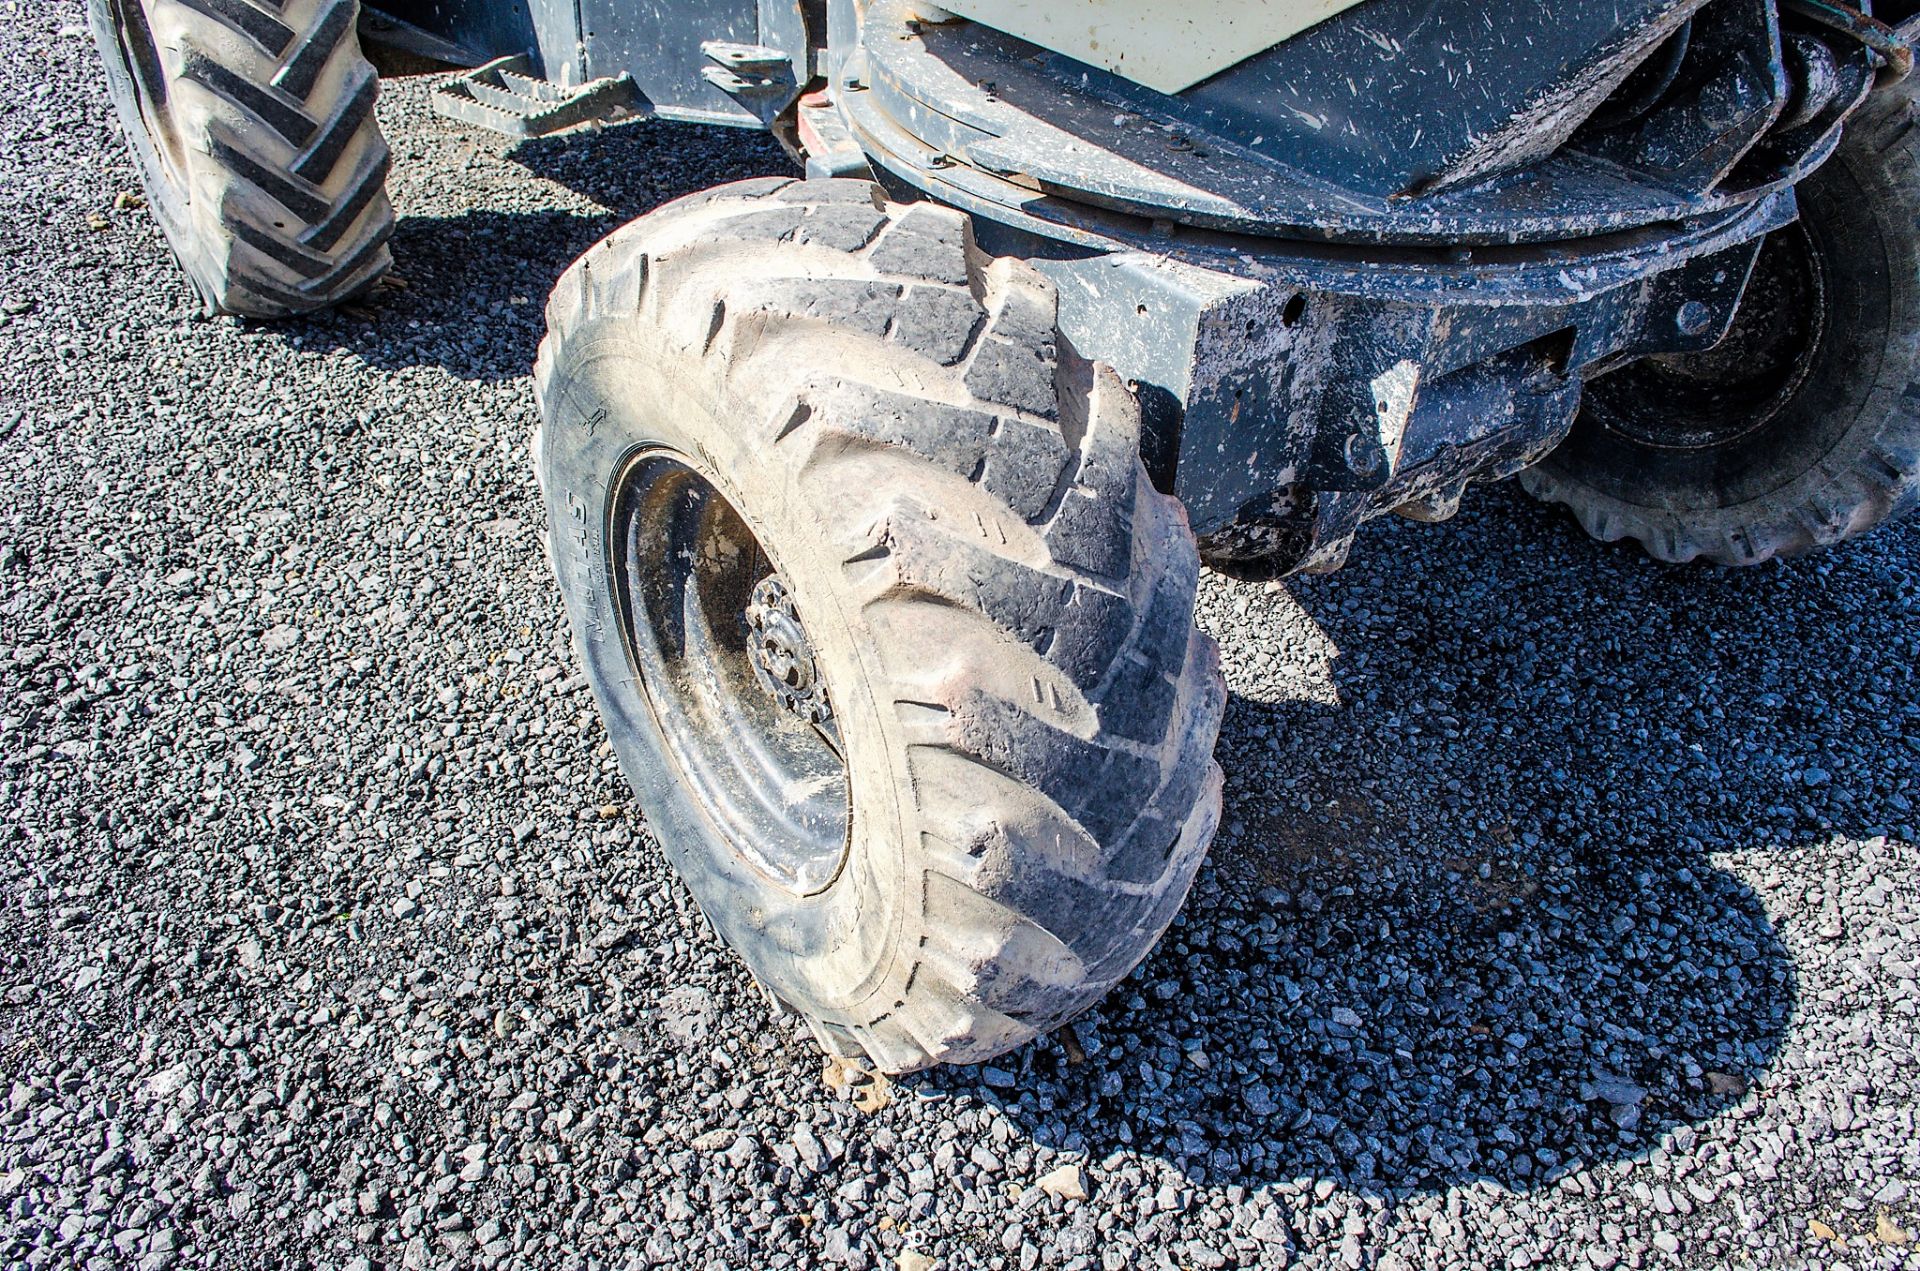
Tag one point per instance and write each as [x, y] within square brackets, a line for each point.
[504, 96]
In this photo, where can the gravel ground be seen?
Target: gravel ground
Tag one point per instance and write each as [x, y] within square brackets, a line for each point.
[1566, 914]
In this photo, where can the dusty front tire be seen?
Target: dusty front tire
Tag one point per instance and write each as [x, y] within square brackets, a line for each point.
[892, 635]
[1799, 430]
[252, 125]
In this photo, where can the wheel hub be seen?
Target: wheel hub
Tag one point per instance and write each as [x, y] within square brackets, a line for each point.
[1718, 396]
[727, 676]
[782, 656]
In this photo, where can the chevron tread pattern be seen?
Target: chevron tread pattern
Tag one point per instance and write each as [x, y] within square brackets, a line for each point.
[283, 207]
[249, 18]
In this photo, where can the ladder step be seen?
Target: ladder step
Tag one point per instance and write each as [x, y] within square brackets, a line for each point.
[504, 96]
[505, 99]
[528, 86]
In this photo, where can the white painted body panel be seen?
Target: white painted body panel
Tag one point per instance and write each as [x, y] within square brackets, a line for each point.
[1166, 46]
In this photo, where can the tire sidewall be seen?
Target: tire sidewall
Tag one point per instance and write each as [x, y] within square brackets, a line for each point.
[169, 198]
[614, 393]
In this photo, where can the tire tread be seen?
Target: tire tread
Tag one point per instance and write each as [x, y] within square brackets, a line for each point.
[1000, 497]
[1868, 478]
[282, 209]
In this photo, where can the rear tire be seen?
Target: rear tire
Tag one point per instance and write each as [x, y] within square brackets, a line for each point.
[983, 612]
[1800, 430]
[252, 125]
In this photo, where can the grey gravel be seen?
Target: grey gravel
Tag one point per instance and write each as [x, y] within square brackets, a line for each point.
[1566, 911]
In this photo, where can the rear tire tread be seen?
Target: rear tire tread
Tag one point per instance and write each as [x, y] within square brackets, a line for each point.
[281, 209]
[1869, 476]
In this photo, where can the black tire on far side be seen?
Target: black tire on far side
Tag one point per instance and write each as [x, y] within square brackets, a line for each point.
[1800, 429]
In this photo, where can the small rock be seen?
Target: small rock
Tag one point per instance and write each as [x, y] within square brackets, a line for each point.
[1069, 1182]
[812, 1154]
[168, 1081]
[1726, 1083]
[1616, 1090]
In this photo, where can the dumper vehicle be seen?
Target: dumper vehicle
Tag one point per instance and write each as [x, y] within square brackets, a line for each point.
[878, 496]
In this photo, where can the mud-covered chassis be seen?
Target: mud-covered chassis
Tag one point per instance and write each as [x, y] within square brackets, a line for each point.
[877, 498]
[1328, 312]
[1348, 275]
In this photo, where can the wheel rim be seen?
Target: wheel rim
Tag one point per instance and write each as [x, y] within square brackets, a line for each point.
[141, 53]
[1718, 396]
[728, 671]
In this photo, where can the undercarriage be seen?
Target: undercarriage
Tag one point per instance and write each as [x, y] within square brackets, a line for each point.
[1332, 314]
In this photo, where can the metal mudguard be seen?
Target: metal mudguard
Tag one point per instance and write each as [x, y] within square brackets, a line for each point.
[1342, 278]
[1515, 135]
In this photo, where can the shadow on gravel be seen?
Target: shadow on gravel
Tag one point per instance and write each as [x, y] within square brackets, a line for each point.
[1463, 925]
[636, 167]
[475, 297]
[476, 284]
[1414, 1035]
